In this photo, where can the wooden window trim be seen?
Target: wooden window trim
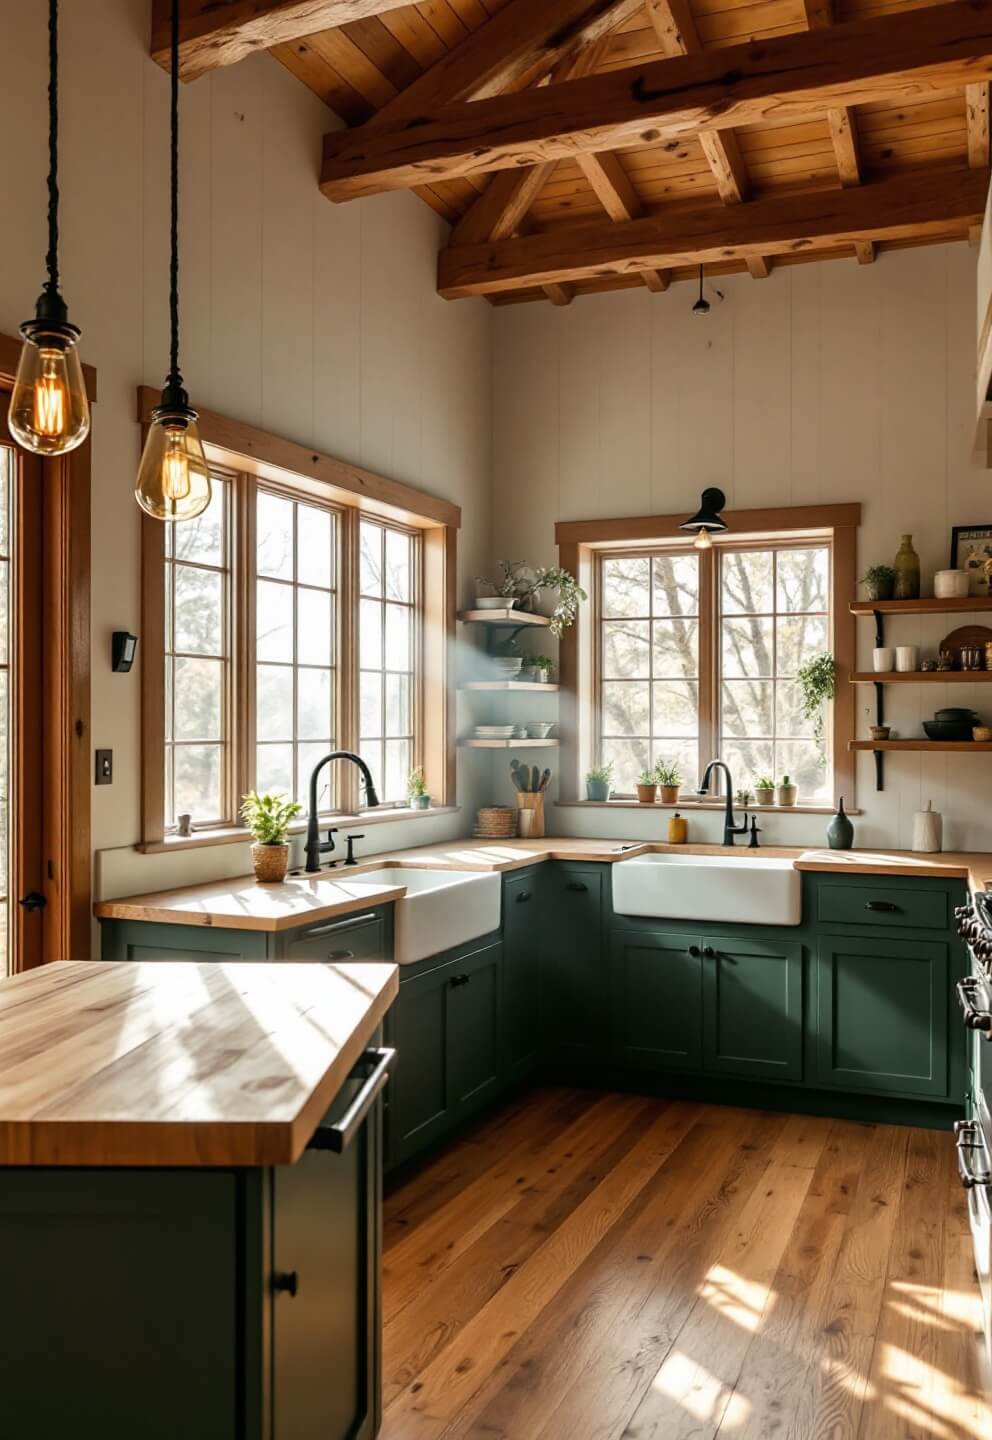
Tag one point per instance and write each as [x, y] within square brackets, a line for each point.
[66, 746]
[258, 457]
[580, 542]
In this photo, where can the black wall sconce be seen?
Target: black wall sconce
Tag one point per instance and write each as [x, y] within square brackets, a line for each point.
[123, 651]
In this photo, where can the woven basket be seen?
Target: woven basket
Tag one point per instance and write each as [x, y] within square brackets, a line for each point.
[271, 863]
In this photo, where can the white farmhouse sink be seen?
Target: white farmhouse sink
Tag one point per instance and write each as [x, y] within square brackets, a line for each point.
[441, 908]
[709, 887]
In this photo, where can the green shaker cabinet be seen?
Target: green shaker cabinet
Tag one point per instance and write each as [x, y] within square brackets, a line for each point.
[523, 947]
[881, 1021]
[657, 1001]
[575, 984]
[753, 1007]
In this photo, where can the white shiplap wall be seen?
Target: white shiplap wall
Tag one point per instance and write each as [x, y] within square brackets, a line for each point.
[826, 382]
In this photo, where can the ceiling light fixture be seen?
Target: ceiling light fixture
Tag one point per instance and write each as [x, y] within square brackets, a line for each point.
[707, 520]
[49, 410]
[173, 477]
[702, 305]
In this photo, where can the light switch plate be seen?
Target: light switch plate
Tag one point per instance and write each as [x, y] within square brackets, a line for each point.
[104, 768]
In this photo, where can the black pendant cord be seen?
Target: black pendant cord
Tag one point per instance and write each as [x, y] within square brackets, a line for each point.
[52, 258]
[175, 379]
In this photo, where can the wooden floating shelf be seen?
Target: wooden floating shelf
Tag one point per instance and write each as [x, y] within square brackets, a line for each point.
[926, 745]
[502, 617]
[956, 606]
[511, 744]
[536, 687]
[922, 677]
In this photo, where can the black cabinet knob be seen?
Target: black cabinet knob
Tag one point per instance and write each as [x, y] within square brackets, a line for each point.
[695, 951]
[286, 1282]
[709, 952]
[457, 980]
[523, 897]
[577, 886]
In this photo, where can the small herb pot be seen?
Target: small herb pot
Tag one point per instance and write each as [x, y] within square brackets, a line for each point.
[597, 789]
[880, 589]
[765, 796]
[270, 862]
[420, 802]
[670, 794]
[786, 794]
[879, 732]
[646, 794]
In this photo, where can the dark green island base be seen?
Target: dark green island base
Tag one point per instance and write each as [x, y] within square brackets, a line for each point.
[851, 1013]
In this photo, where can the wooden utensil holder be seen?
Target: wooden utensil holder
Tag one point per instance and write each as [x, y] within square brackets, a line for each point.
[534, 802]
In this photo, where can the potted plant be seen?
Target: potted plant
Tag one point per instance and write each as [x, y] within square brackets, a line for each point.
[786, 793]
[669, 778]
[817, 681]
[879, 582]
[743, 798]
[539, 668]
[599, 782]
[268, 818]
[647, 787]
[764, 790]
[416, 790]
[521, 585]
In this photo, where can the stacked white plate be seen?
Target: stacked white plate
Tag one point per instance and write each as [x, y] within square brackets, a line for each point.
[493, 732]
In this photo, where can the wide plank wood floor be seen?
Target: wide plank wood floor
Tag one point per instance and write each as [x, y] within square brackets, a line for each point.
[607, 1267]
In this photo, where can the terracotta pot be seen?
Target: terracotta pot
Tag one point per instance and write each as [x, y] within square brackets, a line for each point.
[765, 797]
[786, 794]
[646, 794]
[670, 794]
[271, 863]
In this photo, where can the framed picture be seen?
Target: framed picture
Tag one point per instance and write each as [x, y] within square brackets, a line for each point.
[971, 550]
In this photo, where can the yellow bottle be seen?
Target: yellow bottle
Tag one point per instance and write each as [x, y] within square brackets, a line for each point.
[678, 830]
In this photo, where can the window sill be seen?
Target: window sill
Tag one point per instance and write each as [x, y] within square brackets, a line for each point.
[237, 835]
[692, 804]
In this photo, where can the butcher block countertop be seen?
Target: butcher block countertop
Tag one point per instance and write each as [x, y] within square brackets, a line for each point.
[245, 905]
[167, 1064]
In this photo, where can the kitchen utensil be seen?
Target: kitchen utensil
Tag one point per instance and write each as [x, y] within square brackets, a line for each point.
[928, 828]
[950, 584]
[964, 635]
[972, 657]
[535, 778]
[907, 658]
[516, 778]
[545, 781]
[532, 804]
[883, 658]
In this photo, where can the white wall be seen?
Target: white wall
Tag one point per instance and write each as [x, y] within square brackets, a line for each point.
[826, 382]
[320, 323]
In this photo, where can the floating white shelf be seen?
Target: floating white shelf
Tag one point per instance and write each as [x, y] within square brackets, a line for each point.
[506, 744]
[502, 617]
[533, 686]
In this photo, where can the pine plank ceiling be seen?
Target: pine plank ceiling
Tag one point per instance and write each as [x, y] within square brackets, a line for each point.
[924, 138]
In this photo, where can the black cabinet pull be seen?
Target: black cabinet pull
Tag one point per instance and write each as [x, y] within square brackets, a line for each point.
[968, 1139]
[33, 900]
[968, 993]
[373, 1070]
[709, 952]
[338, 927]
[523, 896]
[341, 955]
[577, 886]
[884, 905]
[286, 1282]
[457, 980]
[695, 951]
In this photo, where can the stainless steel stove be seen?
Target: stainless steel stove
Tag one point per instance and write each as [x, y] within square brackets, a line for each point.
[974, 1134]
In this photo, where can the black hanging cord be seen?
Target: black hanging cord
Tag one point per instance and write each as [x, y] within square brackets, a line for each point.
[175, 379]
[52, 258]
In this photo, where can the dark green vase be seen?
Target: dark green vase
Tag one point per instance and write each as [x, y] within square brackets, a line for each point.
[840, 831]
[907, 568]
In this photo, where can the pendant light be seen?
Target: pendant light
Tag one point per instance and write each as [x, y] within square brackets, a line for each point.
[49, 410]
[707, 520]
[173, 477]
[702, 305]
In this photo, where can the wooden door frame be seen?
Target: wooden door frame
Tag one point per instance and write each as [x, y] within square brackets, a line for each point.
[64, 733]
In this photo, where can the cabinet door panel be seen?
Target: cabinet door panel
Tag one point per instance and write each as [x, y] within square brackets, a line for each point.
[753, 1007]
[473, 1027]
[523, 933]
[576, 989]
[657, 998]
[419, 1101]
[882, 1014]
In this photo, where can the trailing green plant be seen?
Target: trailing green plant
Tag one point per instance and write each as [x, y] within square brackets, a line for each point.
[817, 681]
[508, 584]
[268, 816]
[523, 584]
[416, 782]
[667, 774]
[600, 774]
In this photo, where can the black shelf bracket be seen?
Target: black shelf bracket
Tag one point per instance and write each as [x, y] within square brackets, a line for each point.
[879, 702]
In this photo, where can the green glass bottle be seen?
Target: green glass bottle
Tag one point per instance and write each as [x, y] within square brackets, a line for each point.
[907, 566]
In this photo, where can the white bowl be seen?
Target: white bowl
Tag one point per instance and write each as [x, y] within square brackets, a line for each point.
[493, 602]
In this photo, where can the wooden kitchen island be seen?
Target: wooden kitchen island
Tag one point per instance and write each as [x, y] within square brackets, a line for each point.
[190, 1200]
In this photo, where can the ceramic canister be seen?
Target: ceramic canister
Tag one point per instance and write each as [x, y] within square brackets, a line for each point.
[928, 830]
[950, 584]
[883, 658]
[907, 658]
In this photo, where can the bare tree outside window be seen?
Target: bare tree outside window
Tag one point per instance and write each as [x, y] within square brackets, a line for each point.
[388, 564]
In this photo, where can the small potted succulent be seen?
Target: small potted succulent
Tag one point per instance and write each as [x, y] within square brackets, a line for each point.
[416, 790]
[764, 790]
[599, 782]
[744, 797]
[647, 787]
[879, 582]
[786, 793]
[538, 668]
[669, 778]
[268, 817]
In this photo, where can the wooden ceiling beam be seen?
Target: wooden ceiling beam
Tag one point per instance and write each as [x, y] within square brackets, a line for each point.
[214, 33]
[977, 108]
[840, 119]
[616, 194]
[795, 75]
[925, 204]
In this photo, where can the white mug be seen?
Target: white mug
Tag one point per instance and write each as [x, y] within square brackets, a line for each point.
[907, 657]
[883, 658]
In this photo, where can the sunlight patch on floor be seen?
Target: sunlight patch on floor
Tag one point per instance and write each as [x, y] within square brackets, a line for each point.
[699, 1392]
[742, 1301]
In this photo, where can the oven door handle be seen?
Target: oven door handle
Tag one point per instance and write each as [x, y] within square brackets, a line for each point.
[968, 1139]
[974, 1019]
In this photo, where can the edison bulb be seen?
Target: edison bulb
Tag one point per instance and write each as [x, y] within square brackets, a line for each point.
[49, 409]
[173, 478]
[703, 540]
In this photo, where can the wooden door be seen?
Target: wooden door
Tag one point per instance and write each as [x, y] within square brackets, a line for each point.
[23, 896]
[753, 1007]
[657, 990]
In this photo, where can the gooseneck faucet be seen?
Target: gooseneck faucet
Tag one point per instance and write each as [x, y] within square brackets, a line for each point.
[316, 847]
[730, 829]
